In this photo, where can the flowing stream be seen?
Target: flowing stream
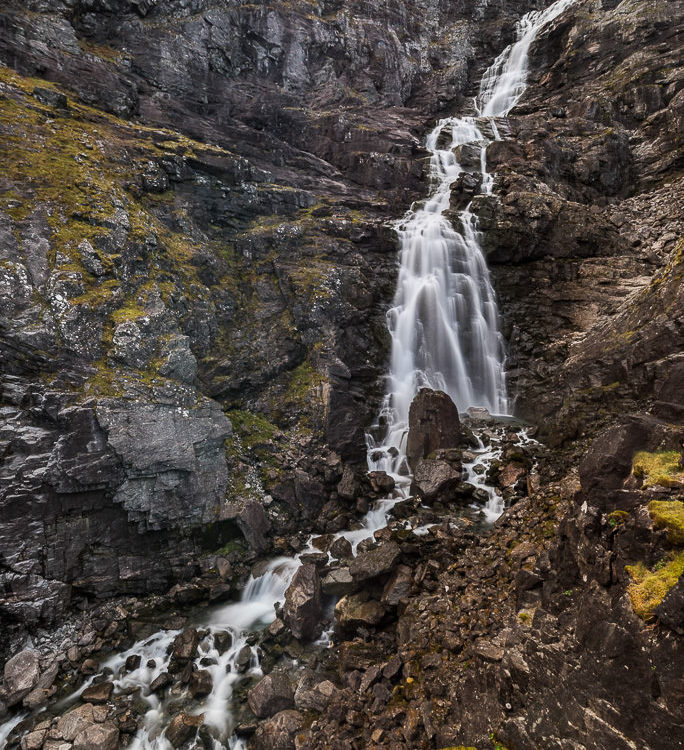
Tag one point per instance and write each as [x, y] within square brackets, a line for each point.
[445, 335]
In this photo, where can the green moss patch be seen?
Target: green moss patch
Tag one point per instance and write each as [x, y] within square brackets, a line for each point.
[669, 514]
[649, 587]
[661, 468]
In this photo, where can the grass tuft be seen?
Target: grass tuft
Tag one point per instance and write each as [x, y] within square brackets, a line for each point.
[660, 468]
[649, 587]
[669, 515]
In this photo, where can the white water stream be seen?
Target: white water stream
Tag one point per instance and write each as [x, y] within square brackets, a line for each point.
[445, 335]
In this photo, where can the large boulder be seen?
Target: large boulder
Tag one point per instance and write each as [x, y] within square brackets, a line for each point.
[269, 696]
[302, 609]
[375, 562]
[433, 424]
[21, 674]
[433, 478]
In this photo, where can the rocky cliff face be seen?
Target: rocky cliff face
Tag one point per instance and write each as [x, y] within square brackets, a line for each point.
[194, 216]
[195, 261]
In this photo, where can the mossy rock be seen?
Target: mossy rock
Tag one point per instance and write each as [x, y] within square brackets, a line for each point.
[661, 468]
[669, 515]
[649, 587]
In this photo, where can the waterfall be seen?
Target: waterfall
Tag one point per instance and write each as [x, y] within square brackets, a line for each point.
[445, 335]
[444, 321]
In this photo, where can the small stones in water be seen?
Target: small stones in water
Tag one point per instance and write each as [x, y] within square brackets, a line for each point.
[133, 662]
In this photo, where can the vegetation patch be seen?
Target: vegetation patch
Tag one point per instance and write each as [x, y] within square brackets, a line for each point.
[617, 518]
[661, 468]
[669, 515]
[649, 587]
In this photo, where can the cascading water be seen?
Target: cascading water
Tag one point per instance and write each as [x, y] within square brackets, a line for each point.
[445, 335]
[444, 322]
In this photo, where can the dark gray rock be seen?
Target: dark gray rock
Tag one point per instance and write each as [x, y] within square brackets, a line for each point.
[398, 586]
[338, 581]
[671, 610]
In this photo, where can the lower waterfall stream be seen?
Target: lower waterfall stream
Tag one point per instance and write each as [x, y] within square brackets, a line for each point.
[445, 336]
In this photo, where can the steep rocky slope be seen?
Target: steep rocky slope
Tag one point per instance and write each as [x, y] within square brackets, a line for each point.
[195, 261]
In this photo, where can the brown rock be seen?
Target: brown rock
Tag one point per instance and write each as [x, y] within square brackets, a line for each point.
[272, 694]
[182, 728]
[185, 645]
[433, 424]
[73, 723]
[201, 683]
[160, 682]
[341, 549]
[381, 482]
[356, 610]
[278, 733]
[99, 693]
[302, 609]
[97, 737]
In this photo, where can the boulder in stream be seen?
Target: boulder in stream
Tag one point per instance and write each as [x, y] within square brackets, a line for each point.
[302, 609]
[182, 728]
[433, 424]
[375, 562]
[433, 477]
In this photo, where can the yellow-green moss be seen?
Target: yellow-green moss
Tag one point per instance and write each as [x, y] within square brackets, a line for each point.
[669, 514]
[617, 517]
[254, 429]
[659, 468]
[649, 587]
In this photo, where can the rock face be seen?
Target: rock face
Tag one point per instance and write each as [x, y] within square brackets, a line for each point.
[302, 609]
[172, 249]
[433, 424]
[193, 286]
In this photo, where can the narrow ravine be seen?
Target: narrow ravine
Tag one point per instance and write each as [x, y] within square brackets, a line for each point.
[445, 332]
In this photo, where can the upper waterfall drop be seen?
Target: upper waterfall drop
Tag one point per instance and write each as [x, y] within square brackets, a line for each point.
[444, 321]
